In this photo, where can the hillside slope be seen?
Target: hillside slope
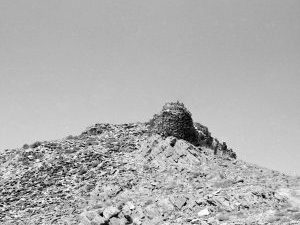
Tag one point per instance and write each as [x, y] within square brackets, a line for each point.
[132, 174]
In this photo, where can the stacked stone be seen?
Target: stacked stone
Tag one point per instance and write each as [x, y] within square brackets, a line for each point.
[222, 149]
[175, 120]
[205, 138]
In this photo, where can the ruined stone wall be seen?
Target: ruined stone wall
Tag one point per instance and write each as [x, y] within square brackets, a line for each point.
[175, 120]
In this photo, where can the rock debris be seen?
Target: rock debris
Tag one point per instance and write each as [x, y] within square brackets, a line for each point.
[167, 171]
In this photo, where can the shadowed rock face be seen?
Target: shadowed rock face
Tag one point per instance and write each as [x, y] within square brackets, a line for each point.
[175, 120]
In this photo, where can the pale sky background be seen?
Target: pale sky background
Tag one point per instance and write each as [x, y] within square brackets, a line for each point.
[65, 65]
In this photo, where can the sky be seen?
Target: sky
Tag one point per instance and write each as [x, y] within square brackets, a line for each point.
[235, 64]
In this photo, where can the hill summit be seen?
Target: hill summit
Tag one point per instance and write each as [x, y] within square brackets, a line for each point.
[169, 170]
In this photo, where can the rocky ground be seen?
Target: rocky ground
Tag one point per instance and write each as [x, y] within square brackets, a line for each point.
[124, 174]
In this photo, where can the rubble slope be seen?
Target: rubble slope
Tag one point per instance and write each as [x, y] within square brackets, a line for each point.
[125, 174]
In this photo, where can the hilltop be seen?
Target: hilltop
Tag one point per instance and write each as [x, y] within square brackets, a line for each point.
[170, 170]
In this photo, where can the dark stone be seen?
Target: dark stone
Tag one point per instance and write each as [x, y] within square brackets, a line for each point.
[173, 142]
[175, 120]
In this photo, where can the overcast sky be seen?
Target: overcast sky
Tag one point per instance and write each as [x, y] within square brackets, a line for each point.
[65, 65]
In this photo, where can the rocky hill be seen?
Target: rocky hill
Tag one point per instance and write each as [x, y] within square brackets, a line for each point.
[169, 170]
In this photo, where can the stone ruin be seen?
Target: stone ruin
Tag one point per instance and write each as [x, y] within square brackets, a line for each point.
[175, 120]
